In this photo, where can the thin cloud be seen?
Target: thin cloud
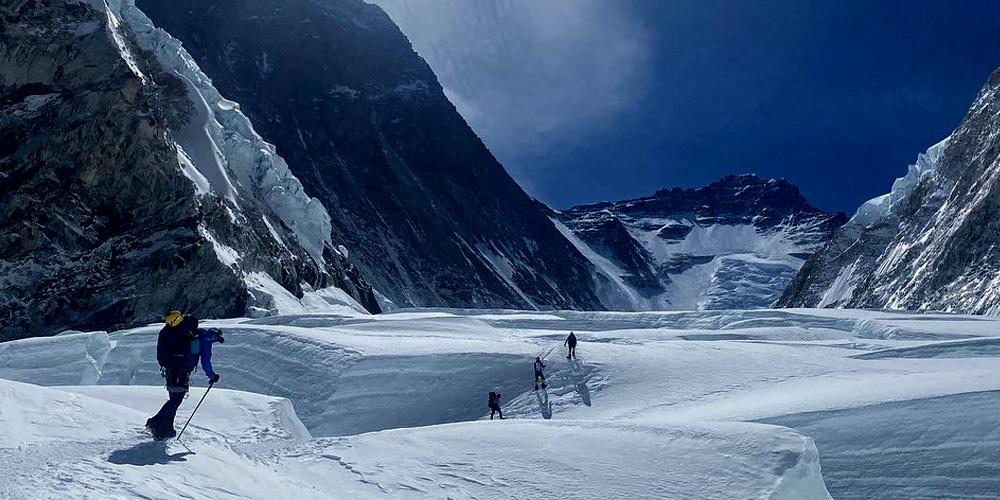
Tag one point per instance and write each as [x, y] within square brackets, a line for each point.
[529, 75]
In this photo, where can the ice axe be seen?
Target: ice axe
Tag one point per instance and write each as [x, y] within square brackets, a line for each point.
[195, 410]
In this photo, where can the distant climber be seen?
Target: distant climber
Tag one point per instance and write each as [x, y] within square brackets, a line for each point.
[494, 405]
[179, 347]
[538, 372]
[571, 342]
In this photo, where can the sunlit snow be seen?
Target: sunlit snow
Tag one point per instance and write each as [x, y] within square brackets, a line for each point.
[658, 405]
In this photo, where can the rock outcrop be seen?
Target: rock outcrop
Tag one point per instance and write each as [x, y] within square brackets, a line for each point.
[112, 166]
[933, 242]
[426, 212]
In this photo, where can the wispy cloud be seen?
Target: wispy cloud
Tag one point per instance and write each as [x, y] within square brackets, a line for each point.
[527, 74]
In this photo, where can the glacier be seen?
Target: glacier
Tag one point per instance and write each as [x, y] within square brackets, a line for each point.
[710, 404]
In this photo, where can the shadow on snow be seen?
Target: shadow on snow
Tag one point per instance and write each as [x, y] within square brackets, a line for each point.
[148, 453]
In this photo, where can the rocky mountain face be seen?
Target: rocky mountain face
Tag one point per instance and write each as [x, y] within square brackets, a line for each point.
[933, 242]
[129, 186]
[734, 244]
[424, 210]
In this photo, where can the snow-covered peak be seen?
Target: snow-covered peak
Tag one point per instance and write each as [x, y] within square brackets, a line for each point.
[732, 244]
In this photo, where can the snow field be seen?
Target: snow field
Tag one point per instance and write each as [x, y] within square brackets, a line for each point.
[262, 453]
[658, 405]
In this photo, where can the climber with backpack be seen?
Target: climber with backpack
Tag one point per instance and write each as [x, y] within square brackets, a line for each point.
[538, 372]
[571, 343]
[494, 405]
[179, 347]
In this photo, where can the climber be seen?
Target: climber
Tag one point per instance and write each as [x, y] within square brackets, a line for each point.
[494, 405]
[538, 372]
[571, 342]
[179, 347]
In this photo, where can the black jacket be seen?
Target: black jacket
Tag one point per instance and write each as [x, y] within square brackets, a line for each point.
[571, 340]
[174, 344]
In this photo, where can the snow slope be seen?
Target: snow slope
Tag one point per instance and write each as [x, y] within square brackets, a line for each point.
[58, 444]
[528, 459]
[938, 448]
[659, 405]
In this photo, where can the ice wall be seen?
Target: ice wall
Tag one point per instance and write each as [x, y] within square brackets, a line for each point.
[880, 207]
[232, 153]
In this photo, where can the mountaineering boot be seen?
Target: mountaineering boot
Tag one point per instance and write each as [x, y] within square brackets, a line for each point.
[150, 430]
[154, 434]
[158, 431]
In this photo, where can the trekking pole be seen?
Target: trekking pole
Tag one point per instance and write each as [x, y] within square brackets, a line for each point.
[195, 411]
[543, 356]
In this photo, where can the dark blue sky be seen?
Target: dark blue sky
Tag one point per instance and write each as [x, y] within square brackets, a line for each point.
[838, 97]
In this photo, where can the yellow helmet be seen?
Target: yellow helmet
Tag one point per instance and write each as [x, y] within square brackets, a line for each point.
[173, 318]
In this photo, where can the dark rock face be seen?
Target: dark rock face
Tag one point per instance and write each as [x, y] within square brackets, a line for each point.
[734, 199]
[605, 233]
[932, 243]
[733, 244]
[98, 227]
[427, 213]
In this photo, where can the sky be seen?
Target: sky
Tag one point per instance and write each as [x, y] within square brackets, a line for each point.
[605, 100]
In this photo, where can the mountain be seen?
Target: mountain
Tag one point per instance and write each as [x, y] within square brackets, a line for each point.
[734, 244]
[428, 215]
[130, 186]
[932, 242]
